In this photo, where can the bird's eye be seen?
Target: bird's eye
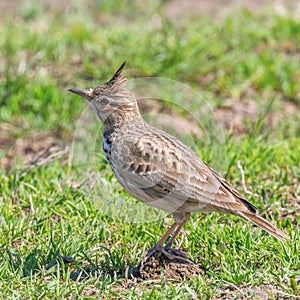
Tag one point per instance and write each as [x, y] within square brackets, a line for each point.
[104, 101]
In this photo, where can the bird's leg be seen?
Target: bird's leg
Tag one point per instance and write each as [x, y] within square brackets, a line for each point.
[174, 254]
[179, 218]
[170, 242]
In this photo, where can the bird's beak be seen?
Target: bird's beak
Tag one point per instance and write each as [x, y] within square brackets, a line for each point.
[87, 94]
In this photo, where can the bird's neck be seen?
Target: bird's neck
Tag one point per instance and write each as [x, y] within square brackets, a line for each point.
[119, 119]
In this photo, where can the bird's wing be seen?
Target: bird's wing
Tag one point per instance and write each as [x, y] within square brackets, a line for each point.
[157, 166]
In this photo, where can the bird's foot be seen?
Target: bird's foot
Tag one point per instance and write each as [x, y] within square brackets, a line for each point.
[176, 254]
[170, 253]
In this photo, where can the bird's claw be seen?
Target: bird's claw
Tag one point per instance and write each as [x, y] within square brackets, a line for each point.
[173, 254]
[168, 252]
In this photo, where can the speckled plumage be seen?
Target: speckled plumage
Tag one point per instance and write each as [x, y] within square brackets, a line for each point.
[159, 170]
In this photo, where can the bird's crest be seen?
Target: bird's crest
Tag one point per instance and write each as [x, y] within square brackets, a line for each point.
[113, 84]
[118, 78]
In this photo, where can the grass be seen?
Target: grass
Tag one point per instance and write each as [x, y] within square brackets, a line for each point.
[47, 215]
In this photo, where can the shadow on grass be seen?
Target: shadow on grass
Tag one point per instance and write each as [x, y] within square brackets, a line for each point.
[111, 267]
[36, 260]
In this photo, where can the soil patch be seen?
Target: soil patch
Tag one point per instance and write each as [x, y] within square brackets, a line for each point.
[176, 9]
[158, 264]
[237, 116]
[36, 147]
[261, 292]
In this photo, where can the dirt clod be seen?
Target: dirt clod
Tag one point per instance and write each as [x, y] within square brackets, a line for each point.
[159, 264]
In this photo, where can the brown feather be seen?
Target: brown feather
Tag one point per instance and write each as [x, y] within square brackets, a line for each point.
[264, 224]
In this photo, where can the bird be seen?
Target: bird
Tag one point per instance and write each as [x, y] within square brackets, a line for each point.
[158, 169]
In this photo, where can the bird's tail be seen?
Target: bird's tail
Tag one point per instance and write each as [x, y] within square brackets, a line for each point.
[264, 224]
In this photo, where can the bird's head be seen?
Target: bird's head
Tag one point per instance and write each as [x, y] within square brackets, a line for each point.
[112, 102]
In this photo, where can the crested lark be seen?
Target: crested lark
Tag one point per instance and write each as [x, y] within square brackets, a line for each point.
[159, 170]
